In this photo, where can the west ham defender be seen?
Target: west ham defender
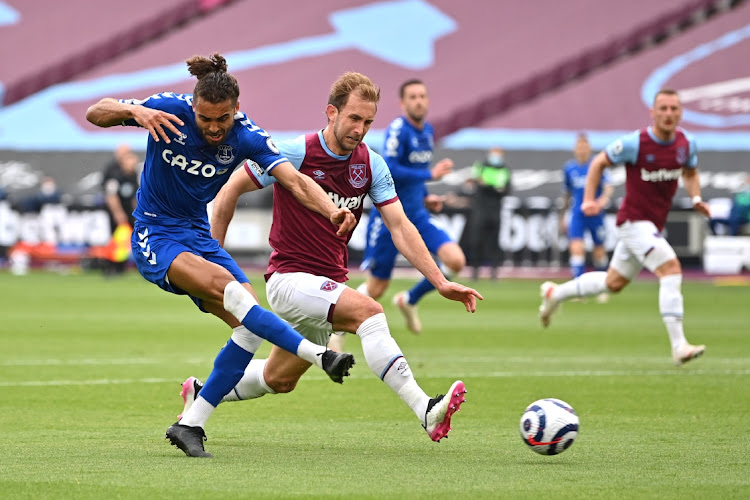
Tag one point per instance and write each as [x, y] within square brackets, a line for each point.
[655, 158]
[408, 151]
[574, 173]
[195, 143]
[308, 266]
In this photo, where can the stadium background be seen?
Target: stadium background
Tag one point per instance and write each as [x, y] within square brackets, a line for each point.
[524, 76]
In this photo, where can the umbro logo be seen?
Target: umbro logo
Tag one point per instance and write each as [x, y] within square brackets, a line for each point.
[319, 174]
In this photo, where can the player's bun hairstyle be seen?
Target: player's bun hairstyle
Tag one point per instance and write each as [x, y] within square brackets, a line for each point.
[351, 82]
[214, 85]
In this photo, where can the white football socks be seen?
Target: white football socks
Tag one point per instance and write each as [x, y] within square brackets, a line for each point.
[384, 358]
[246, 339]
[198, 414]
[672, 309]
[585, 285]
[238, 300]
[363, 289]
[252, 385]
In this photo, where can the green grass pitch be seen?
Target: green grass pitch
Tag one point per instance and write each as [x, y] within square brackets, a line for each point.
[91, 370]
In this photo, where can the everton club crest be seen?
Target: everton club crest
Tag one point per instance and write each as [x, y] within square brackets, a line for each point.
[225, 155]
[357, 175]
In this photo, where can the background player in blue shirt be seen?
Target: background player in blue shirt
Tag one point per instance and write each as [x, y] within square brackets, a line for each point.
[196, 142]
[408, 151]
[575, 171]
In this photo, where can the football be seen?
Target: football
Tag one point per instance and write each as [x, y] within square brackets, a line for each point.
[549, 426]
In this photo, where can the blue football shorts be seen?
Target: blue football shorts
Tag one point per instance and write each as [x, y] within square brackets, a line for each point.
[594, 224]
[380, 252]
[155, 247]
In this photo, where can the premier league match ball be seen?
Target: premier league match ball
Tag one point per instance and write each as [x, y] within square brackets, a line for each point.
[549, 426]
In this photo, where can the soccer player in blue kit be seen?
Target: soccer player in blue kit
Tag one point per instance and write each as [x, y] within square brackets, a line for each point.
[408, 151]
[195, 143]
[575, 171]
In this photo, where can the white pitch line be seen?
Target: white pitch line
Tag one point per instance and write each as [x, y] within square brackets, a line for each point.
[465, 376]
[97, 362]
[103, 381]
[490, 360]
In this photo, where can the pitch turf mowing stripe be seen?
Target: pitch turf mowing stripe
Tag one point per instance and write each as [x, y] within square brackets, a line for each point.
[101, 361]
[582, 373]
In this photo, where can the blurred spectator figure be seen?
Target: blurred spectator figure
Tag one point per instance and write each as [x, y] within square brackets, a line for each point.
[47, 194]
[490, 179]
[577, 224]
[120, 184]
[740, 212]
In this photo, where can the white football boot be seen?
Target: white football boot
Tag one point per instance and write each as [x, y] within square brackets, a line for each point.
[549, 305]
[409, 311]
[190, 389]
[686, 353]
[440, 409]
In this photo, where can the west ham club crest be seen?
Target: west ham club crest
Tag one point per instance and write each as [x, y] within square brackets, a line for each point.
[681, 156]
[357, 175]
[329, 286]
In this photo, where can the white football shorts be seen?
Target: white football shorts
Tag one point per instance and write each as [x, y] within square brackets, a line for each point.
[639, 245]
[306, 302]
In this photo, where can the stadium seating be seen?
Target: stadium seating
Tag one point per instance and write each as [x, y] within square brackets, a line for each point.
[639, 37]
[89, 47]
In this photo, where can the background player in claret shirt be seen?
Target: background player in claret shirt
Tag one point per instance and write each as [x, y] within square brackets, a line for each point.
[195, 143]
[308, 266]
[574, 172]
[655, 158]
[408, 151]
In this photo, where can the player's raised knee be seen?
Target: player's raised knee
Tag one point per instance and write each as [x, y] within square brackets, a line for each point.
[281, 383]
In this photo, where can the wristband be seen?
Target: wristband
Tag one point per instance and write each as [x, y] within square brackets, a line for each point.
[696, 199]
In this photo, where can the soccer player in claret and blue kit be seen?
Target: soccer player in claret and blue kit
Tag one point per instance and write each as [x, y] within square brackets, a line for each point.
[655, 158]
[308, 268]
[195, 143]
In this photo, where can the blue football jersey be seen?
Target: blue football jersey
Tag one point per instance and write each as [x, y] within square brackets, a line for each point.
[575, 182]
[408, 153]
[180, 178]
